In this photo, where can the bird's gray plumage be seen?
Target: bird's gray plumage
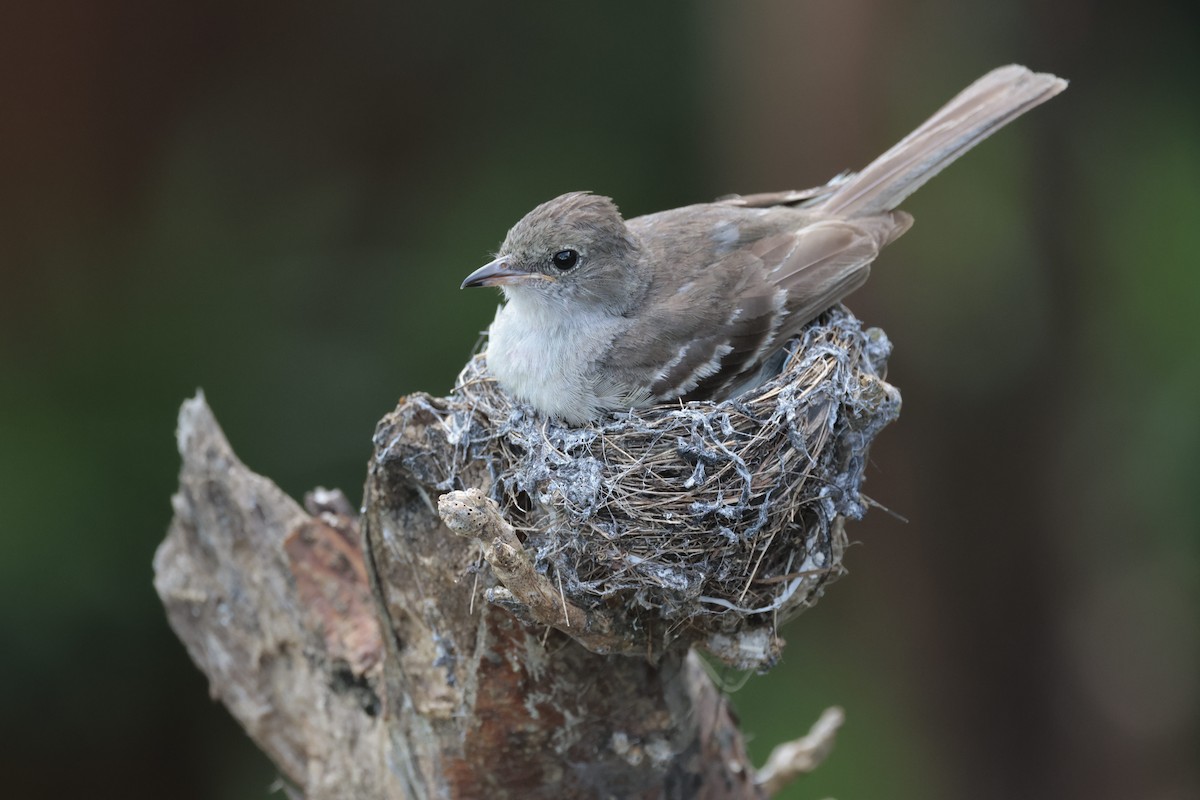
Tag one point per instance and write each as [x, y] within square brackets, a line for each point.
[690, 303]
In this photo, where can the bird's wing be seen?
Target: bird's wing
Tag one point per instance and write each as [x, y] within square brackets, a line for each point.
[694, 321]
[708, 332]
[819, 264]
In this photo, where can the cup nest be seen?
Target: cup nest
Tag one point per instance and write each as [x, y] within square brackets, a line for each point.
[693, 523]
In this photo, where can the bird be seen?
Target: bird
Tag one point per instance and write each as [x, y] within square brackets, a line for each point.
[603, 314]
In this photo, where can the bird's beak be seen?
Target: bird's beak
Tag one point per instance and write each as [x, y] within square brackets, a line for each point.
[497, 273]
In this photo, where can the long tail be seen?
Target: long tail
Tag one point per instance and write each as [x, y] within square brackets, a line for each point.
[974, 114]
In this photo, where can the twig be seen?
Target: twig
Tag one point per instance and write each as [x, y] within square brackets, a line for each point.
[790, 760]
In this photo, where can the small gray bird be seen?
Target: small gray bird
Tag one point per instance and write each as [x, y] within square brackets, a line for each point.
[692, 303]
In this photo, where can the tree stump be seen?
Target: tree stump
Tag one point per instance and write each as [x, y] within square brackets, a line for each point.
[369, 665]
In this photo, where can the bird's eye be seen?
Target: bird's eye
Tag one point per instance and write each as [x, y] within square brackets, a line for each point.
[565, 259]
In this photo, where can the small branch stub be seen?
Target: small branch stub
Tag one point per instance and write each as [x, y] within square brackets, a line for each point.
[790, 760]
[525, 592]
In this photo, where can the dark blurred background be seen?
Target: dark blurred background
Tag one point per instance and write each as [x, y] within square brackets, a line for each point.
[277, 201]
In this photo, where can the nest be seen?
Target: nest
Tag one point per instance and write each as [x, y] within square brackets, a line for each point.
[703, 523]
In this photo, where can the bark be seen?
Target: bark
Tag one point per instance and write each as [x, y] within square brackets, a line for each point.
[374, 665]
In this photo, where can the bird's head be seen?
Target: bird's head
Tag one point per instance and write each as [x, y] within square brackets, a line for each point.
[574, 249]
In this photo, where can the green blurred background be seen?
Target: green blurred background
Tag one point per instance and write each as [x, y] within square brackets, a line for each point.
[277, 201]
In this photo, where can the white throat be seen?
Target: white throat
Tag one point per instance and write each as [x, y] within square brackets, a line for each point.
[541, 354]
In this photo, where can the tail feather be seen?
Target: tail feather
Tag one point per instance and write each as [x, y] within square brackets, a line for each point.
[975, 113]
